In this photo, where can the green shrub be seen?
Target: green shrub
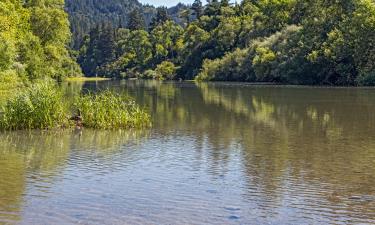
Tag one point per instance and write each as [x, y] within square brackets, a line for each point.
[367, 79]
[234, 66]
[148, 74]
[165, 71]
[39, 106]
[108, 110]
[9, 80]
[43, 106]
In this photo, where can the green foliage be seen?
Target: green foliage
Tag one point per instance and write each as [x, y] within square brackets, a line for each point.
[33, 39]
[43, 106]
[148, 74]
[166, 39]
[136, 20]
[109, 110]
[333, 44]
[160, 17]
[9, 81]
[367, 79]
[85, 15]
[40, 106]
[284, 41]
[232, 67]
[165, 71]
[197, 8]
[98, 51]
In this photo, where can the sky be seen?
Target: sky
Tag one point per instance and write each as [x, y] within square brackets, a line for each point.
[167, 3]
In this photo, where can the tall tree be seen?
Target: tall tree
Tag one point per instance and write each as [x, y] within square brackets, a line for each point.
[185, 16]
[136, 20]
[161, 17]
[197, 8]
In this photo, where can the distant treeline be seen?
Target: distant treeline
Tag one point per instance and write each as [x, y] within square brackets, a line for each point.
[85, 15]
[285, 41]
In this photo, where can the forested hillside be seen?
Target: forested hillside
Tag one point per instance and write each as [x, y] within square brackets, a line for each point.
[33, 41]
[85, 15]
[286, 41]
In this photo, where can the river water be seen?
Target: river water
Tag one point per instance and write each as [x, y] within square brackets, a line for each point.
[218, 153]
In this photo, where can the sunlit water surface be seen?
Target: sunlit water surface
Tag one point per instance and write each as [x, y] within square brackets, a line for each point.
[218, 153]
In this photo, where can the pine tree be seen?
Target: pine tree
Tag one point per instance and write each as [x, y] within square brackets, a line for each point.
[90, 53]
[136, 20]
[185, 16]
[161, 17]
[212, 8]
[197, 8]
[107, 43]
[224, 3]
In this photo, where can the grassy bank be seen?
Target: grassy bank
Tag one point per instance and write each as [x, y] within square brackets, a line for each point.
[108, 110]
[44, 106]
[84, 79]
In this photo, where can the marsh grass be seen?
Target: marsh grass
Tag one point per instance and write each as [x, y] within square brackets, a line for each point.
[40, 106]
[110, 110]
[45, 106]
[85, 79]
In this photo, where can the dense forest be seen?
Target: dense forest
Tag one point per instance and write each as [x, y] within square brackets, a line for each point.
[285, 41]
[85, 15]
[34, 36]
[318, 42]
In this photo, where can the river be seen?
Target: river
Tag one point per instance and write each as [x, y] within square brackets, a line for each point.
[218, 153]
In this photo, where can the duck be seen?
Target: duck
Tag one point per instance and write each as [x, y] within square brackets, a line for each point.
[78, 119]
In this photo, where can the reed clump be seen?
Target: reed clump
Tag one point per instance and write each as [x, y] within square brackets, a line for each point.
[110, 110]
[44, 106]
[39, 106]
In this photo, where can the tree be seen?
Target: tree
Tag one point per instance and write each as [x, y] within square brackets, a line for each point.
[99, 50]
[289, 41]
[165, 70]
[197, 8]
[161, 17]
[33, 39]
[212, 8]
[185, 16]
[166, 38]
[136, 20]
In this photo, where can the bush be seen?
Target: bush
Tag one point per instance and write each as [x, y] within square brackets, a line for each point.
[165, 70]
[9, 80]
[108, 110]
[148, 74]
[367, 79]
[42, 106]
[39, 106]
[234, 66]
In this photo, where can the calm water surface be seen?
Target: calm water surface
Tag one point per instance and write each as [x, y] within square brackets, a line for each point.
[218, 153]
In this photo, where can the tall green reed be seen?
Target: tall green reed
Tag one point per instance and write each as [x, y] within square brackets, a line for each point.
[110, 110]
[40, 106]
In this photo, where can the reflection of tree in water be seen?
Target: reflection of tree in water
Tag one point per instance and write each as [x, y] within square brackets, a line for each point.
[23, 155]
[312, 135]
[36, 157]
[106, 147]
[309, 134]
[286, 135]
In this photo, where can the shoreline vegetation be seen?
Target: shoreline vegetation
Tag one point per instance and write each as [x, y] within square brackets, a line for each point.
[43, 106]
[292, 42]
[34, 56]
[283, 41]
[86, 79]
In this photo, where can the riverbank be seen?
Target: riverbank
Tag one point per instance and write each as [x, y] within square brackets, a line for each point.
[44, 105]
[84, 79]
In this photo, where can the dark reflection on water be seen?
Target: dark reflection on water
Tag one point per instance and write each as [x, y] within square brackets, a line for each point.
[218, 154]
